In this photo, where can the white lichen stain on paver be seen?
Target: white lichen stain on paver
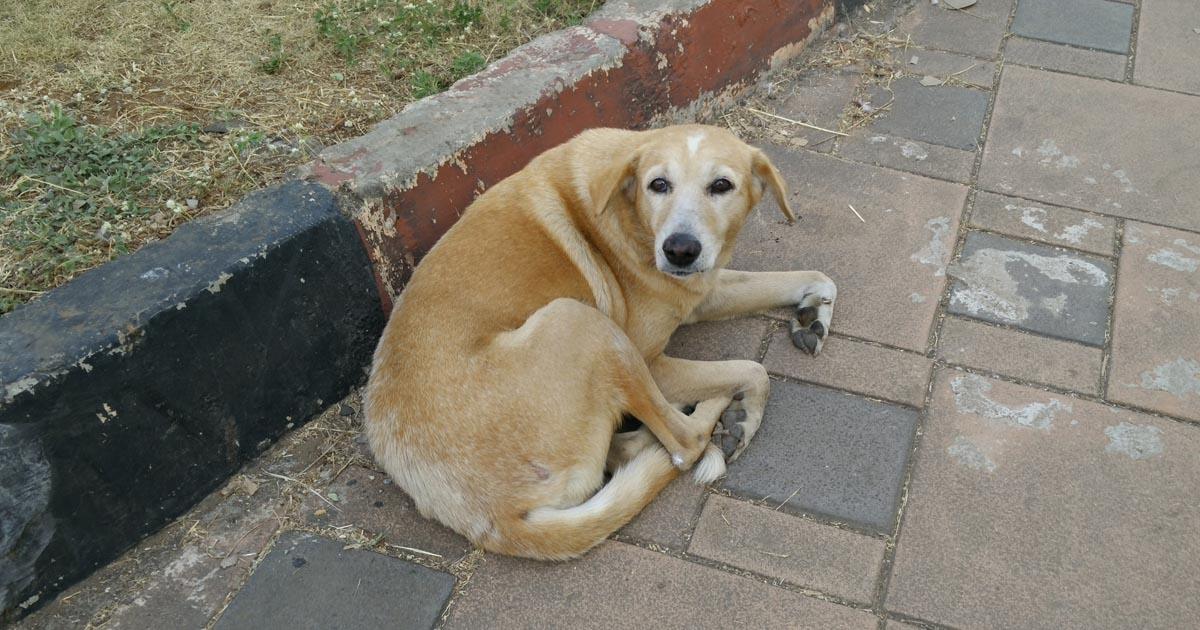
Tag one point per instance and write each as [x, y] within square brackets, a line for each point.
[1179, 378]
[1168, 296]
[1031, 216]
[970, 396]
[1049, 151]
[1126, 184]
[969, 455]
[1055, 304]
[1019, 151]
[1138, 441]
[1074, 233]
[913, 151]
[934, 252]
[1174, 260]
[917, 298]
[989, 288]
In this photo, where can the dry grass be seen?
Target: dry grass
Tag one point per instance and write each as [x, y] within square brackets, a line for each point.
[245, 89]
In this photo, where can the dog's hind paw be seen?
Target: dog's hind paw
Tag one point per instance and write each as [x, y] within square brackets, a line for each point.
[711, 466]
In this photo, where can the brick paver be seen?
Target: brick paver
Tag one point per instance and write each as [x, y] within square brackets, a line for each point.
[1050, 481]
[1030, 509]
[1156, 334]
[621, 586]
[1084, 143]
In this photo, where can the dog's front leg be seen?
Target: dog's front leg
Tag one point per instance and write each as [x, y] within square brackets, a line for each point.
[739, 293]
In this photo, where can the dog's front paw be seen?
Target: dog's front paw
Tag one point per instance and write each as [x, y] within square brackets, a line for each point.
[811, 325]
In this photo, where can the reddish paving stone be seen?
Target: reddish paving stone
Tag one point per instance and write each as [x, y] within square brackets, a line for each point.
[1031, 509]
[1076, 142]
[671, 516]
[1156, 330]
[800, 551]
[853, 365]
[312, 582]
[903, 154]
[1168, 51]
[621, 586]
[901, 251]
[1092, 63]
[719, 341]
[1046, 223]
[1020, 355]
[367, 502]
[944, 65]
[978, 33]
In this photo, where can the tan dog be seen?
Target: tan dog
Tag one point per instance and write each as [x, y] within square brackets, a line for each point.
[540, 318]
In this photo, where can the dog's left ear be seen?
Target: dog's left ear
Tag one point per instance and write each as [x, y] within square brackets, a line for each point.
[767, 176]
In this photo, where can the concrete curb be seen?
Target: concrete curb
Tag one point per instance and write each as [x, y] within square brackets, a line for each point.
[132, 392]
[633, 63]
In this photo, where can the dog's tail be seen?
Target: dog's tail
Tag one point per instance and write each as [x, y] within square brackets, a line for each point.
[560, 533]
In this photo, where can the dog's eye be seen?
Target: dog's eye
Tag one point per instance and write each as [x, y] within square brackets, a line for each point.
[660, 185]
[720, 186]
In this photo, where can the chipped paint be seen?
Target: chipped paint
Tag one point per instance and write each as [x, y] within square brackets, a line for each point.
[970, 396]
[1178, 378]
[1138, 441]
[215, 285]
[934, 252]
[969, 455]
[990, 288]
[1174, 260]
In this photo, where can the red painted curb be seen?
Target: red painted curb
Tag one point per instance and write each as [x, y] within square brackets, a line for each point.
[665, 61]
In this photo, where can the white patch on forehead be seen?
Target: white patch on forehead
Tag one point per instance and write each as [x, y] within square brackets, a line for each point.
[693, 142]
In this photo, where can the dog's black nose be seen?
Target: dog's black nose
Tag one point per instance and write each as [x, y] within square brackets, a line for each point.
[681, 249]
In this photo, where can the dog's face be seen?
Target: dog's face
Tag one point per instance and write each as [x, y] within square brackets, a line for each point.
[692, 187]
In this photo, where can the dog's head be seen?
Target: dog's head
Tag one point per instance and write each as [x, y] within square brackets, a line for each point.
[691, 188]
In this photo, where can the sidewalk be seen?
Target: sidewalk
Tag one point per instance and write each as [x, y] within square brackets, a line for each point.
[1002, 431]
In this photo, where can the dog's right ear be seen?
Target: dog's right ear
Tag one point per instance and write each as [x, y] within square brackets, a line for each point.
[615, 178]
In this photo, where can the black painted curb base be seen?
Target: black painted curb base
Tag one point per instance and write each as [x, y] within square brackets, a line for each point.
[128, 395]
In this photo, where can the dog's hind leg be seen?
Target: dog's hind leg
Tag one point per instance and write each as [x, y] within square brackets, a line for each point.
[745, 381]
[592, 353]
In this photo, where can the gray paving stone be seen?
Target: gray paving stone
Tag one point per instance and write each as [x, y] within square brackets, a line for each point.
[1098, 24]
[947, 115]
[817, 97]
[828, 453]
[671, 516]
[719, 341]
[1046, 223]
[1089, 144]
[976, 31]
[903, 154]
[312, 582]
[900, 251]
[1039, 54]
[1035, 510]
[367, 502]
[803, 552]
[1021, 355]
[1156, 331]
[1052, 291]
[944, 65]
[618, 586]
[1168, 52]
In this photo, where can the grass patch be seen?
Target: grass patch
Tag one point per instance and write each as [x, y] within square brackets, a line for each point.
[117, 128]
